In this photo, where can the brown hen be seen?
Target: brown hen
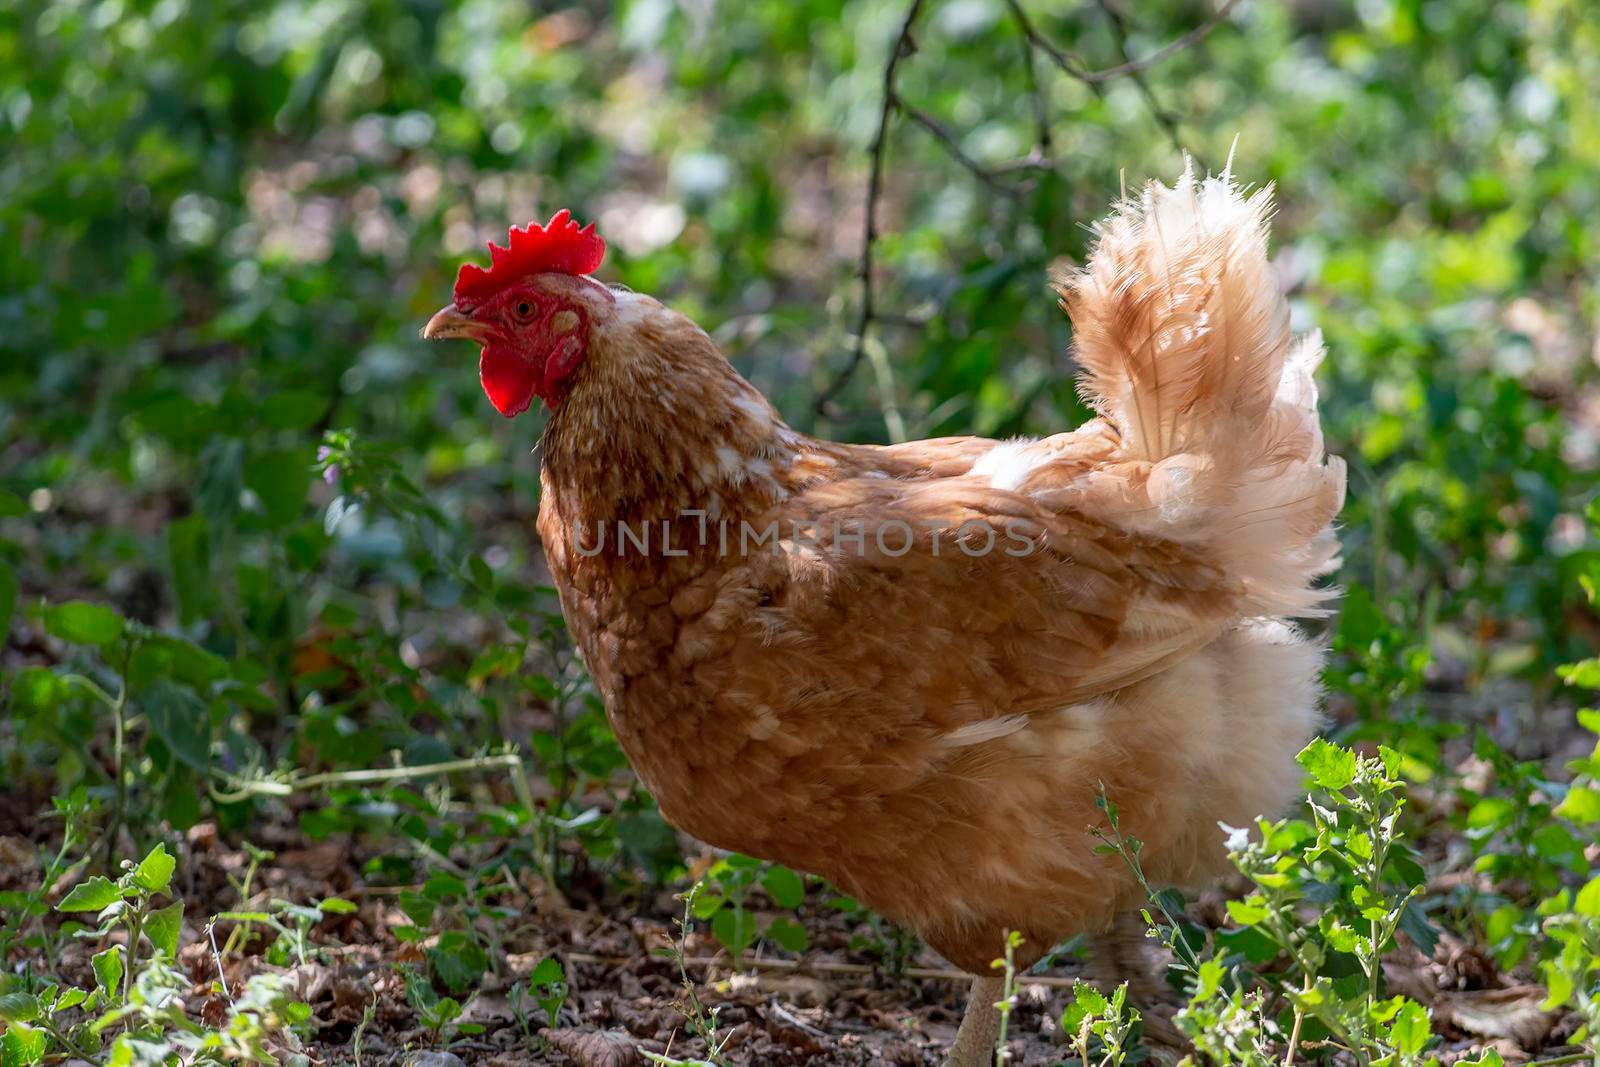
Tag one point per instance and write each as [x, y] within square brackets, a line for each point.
[912, 668]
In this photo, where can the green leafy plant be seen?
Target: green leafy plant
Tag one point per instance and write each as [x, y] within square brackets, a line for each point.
[1351, 861]
[1571, 972]
[137, 1000]
[444, 911]
[23, 911]
[893, 945]
[292, 923]
[546, 987]
[1100, 1028]
[1227, 1023]
[701, 1020]
[128, 903]
[729, 883]
[438, 1014]
[1007, 1003]
[1570, 920]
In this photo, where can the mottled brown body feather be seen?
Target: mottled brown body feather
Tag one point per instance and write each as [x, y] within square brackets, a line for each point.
[929, 728]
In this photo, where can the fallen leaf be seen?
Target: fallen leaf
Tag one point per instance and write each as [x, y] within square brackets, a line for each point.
[1498, 1013]
[432, 1058]
[595, 1048]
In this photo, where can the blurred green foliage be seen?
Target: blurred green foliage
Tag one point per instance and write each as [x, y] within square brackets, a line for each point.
[222, 223]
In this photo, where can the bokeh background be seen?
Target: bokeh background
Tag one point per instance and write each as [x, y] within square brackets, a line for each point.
[222, 224]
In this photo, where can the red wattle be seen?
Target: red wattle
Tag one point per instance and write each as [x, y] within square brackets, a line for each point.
[509, 380]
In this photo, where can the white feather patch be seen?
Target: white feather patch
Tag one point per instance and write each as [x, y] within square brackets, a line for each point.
[1008, 464]
[976, 733]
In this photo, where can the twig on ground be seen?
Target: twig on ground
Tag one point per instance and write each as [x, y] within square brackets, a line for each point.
[931, 974]
[794, 1020]
[1561, 1061]
[216, 956]
[287, 786]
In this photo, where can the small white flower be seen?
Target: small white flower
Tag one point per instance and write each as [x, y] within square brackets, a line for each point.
[1238, 837]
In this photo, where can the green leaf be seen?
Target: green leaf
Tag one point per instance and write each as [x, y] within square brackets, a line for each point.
[189, 553]
[108, 971]
[1587, 902]
[20, 1008]
[180, 800]
[458, 961]
[1584, 673]
[155, 870]
[785, 887]
[11, 505]
[734, 928]
[548, 986]
[36, 689]
[1416, 925]
[418, 908]
[279, 480]
[130, 1051]
[21, 1045]
[293, 409]
[494, 661]
[83, 623]
[181, 720]
[442, 886]
[482, 575]
[548, 972]
[1410, 1030]
[788, 933]
[69, 998]
[1211, 975]
[1558, 984]
[447, 1009]
[1090, 999]
[8, 601]
[1332, 767]
[1581, 804]
[337, 906]
[1248, 912]
[165, 927]
[97, 893]
[708, 904]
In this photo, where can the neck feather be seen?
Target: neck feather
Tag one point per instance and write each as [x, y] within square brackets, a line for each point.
[659, 422]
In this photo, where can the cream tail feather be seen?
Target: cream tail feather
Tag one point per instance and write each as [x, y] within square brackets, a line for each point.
[1183, 336]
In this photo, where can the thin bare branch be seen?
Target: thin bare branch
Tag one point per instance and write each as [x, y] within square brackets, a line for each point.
[1163, 117]
[993, 176]
[903, 45]
[978, 170]
[1074, 67]
[1043, 146]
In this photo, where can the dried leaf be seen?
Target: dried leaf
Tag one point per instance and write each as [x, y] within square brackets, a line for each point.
[595, 1048]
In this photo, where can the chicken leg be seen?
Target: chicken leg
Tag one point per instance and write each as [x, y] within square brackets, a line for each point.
[980, 1025]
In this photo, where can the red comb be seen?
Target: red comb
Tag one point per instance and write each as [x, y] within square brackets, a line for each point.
[560, 246]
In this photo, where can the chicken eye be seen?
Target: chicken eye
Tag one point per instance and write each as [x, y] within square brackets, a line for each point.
[524, 309]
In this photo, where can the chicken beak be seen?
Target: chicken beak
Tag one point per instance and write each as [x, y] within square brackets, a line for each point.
[449, 322]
